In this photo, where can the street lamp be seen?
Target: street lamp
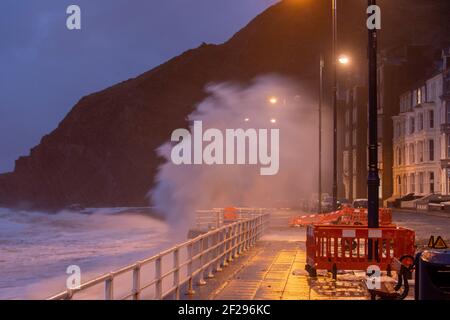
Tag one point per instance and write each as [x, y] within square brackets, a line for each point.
[373, 179]
[321, 67]
[334, 44]
[273, 100]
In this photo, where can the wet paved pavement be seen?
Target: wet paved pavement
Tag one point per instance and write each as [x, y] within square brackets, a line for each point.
[275, 269]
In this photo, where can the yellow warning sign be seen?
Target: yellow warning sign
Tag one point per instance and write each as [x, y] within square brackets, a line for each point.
[431, 242]
[440, 243]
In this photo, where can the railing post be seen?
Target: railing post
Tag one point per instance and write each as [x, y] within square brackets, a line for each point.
[190, 290]
[238, 239]
[255, 231]
[244, 236]
[260, 226]
[219, 251]
[211, 255]
[231, 244]
[137, 282]
[158, 274]
[217, 219]
[201, 280]
[109, 287]
[250, 227]
[225, 246]
[176, 273]
[247, 234]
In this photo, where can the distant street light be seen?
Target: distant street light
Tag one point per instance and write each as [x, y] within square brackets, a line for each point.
[321, 67]
[344, 59]
[273, 100]
[247, 119]
[273, 120]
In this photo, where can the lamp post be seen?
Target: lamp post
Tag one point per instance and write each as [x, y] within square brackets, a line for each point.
[334, 45]
[321, 67]
[373, 180]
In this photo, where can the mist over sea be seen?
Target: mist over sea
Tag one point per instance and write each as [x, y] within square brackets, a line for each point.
[37, 247]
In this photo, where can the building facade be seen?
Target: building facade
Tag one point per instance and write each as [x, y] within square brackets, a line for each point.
[445, 126]
[399, 69]
[421, 139]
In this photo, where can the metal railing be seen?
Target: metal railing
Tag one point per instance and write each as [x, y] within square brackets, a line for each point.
[212, 219]
[165, 274]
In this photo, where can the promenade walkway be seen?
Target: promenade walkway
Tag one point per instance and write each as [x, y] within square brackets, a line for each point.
[274, 270]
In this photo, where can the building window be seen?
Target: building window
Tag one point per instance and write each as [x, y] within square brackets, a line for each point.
[399, 157]
[404, 154]
[420, 151]
[431, 115]
[346, 163]
[448, 113]
[412, 180]
[404, 184]
[448, 146]
[431, 150]
[412, 156]
[431, 182]
[421, 182]
[355, 114]
[412, 124]
[354, 137]
[433, 92]
[347, 139]
[347, 118]
[420, 125]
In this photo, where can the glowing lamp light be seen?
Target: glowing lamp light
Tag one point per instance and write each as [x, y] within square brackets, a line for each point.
[343, 59]
[273, 120]
[273, 100]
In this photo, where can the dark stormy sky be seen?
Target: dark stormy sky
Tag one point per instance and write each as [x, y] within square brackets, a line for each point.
[45, 68]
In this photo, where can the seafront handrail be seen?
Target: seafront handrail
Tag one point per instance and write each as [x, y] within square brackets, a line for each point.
[165, 274]
[214, 218]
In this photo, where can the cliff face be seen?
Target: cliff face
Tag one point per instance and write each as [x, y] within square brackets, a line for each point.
[103, 152]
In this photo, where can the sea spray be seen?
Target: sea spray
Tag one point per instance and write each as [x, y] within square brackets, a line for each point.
[267, 102]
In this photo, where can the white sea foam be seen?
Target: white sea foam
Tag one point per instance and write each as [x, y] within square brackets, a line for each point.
[37, 247]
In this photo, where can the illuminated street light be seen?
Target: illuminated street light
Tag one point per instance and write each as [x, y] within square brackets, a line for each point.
[273, 100]
[247, 119]
[273, 120]
[344, 59]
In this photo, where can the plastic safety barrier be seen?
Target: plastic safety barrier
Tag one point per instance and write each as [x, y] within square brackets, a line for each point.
[346, 216]
[347, 247]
